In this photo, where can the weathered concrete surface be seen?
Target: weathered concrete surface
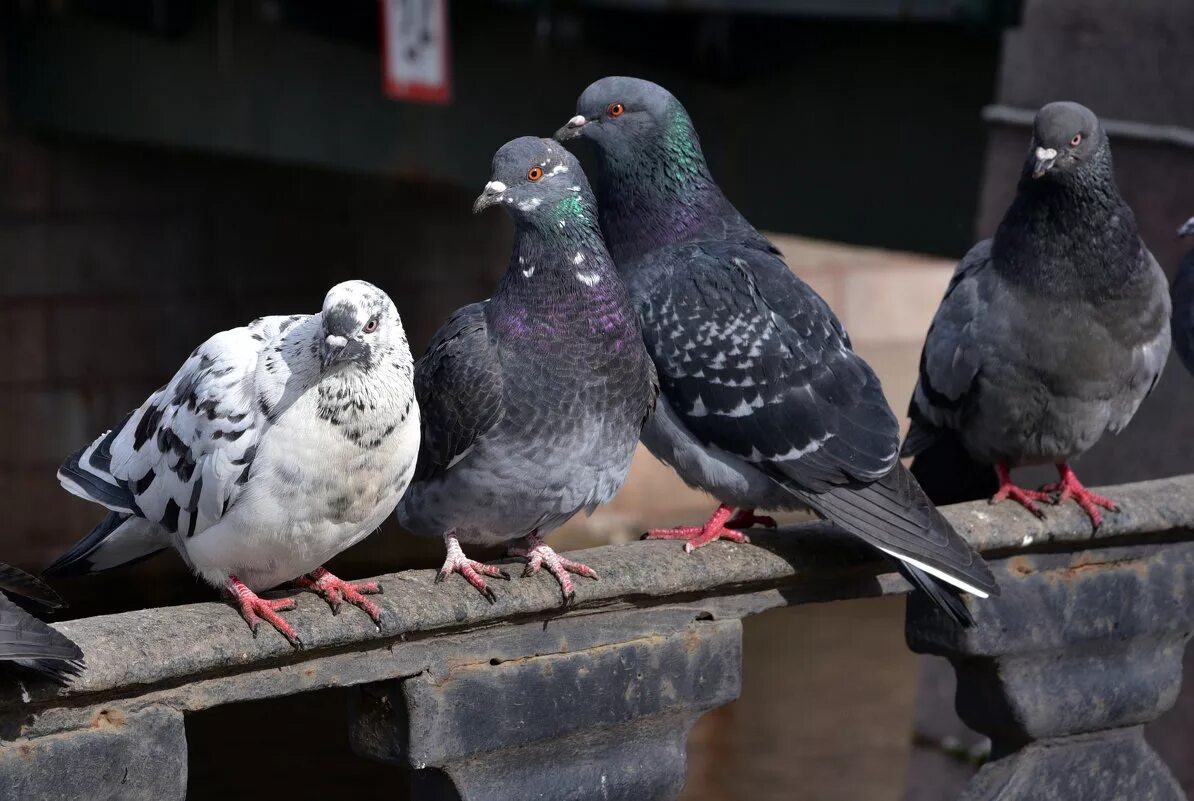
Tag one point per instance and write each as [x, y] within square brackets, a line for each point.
[118, 757]
[194, 657]
[607, 719]
[1066, 666]
[131, 653]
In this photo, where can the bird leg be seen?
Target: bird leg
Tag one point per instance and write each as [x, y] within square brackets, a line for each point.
[1025, 497]
[457, 562]
[717, 528]
[746, 518]
[1068, 486]
[253, 609]
[336, 591]
[538, 553]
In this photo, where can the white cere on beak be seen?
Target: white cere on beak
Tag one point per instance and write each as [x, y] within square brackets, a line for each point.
[576, 121]
[1043, 153]
[495, 186]
[336, 341]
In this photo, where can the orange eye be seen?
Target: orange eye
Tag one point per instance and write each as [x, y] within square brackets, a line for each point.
[616, 109]
[535, 173]
[1077, 140]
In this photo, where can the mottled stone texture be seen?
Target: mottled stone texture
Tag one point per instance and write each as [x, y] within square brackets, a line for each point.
[525, 698]
[1063, 670]
[608, 718]
[118, 757]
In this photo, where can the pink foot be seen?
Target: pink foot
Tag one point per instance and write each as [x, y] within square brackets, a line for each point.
[336, 591]
[538, 553]
[254, 609]
[472, 570]
[746, 518]
[1070, 487]
[1025, 497]
[699, 536]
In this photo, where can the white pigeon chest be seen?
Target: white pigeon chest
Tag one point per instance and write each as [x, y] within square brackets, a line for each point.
[337, 474]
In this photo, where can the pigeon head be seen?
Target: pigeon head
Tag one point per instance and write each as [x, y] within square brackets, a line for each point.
[618, 112]
[531, 177]
[360, 326]
[1187, 228]
[1067, 140]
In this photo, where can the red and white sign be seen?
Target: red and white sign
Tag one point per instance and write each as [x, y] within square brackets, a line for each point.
[415, 50]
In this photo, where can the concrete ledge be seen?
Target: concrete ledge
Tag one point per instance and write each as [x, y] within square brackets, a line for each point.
[196, 656]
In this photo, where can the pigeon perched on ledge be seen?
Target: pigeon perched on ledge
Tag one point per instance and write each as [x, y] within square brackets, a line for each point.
[1050, 334]
[276, 446]
[26, 641]
[534, 399]
[763, 402]
[1183, 303]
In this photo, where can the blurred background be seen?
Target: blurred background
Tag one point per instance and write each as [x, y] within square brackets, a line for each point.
[171, 168]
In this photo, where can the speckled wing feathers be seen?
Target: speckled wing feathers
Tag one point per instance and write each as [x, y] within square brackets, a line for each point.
[182, 458]
[755, 364]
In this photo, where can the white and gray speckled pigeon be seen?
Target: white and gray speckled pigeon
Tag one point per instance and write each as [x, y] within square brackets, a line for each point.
[26, 641]
[275, 447]
[1183, 303]
[763, 402]
[534, 399]
[1050, 334]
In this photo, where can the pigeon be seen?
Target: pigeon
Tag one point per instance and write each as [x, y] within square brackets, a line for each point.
[763, 402]
[533, 400]
[28, 642]
[276, 446]
[1050, 335]
[1183, 303]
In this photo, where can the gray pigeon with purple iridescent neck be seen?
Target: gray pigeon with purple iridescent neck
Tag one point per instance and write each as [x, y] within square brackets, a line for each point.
[533, 400]
[763, 401]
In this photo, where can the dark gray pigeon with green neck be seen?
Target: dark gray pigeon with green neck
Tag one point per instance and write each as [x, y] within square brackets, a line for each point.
[533, 400]
[1050, 334]
[763, 402]
[1183, 303]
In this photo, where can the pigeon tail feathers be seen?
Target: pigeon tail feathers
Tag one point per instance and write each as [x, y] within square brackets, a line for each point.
[118, 540]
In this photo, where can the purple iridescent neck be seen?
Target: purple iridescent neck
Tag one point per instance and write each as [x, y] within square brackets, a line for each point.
[658, 190]
[561, 285]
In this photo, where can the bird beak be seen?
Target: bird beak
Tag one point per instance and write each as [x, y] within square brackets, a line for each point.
[1045, 157]
[492, 194]
[572, 129]
[338, 349]
[1186, 229]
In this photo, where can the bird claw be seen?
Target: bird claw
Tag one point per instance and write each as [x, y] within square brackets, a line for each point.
[472, 571]
[717, 528]
[538, 553]
[1068, 487]
[254, 609]
[336, 591]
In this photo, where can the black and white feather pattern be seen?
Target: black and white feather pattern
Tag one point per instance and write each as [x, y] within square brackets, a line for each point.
[184, 457]
[252, 439]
